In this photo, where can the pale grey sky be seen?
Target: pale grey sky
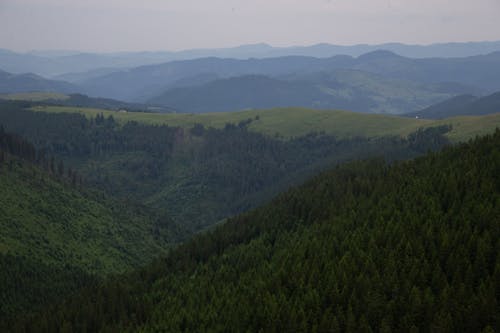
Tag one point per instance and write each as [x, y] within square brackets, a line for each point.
[133, 25]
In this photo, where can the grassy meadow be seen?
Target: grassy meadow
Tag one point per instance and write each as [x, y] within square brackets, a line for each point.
[294, 122]
[34, 96]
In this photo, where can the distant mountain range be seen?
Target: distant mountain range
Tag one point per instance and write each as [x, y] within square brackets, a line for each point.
[460, 106]
[16, 83]
[482, 73]
[379, 81]
[342, 89]
[53, 63]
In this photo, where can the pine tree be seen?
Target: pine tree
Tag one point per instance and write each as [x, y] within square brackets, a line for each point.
[60, 168]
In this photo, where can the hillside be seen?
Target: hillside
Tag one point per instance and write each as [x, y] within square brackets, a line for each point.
[34, 96]
[345, 89]
[18, 83]
[198, 174]
[460, 106]
[240, 93]
[144, 82]
[479, 73]
[80, 100]
[364, 247]
[56, 235]
[295, 122]
[54, 223]
[378, 81]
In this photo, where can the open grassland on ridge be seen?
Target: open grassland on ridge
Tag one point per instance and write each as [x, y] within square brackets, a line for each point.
[295, 122]
[34, 96]
[467, 127]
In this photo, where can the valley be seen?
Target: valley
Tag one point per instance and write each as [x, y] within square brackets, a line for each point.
[200, 174]
[153, 182]
[352, 249]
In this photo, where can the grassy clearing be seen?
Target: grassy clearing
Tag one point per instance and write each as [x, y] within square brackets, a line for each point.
[290, 122]
[467, 127]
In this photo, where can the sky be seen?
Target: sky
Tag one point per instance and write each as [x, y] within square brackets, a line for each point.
[152, 25]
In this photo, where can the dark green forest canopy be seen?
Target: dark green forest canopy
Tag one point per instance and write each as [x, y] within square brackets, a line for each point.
[57, 236]
[367, 246]
[198, 176]
[202, 175]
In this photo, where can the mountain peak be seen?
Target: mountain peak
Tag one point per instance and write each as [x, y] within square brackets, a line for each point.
[378, 54]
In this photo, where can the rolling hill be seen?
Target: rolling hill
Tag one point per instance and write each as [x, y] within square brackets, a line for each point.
[201, 175]
[203, 168]
[379, 82]
[461, 105]
[479, 73]
[341, 89]
[19, 83]
[80, 101]
[243, 92]
[388, 229]
[287, 123]
[36, 96]
[364, 247]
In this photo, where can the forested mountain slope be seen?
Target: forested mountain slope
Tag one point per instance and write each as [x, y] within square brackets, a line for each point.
[198, 175]
[343, 89]
[142, 83]
[55, 235]
[367, 246]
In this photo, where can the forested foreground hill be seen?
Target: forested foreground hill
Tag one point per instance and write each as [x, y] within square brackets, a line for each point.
[367, 246]
[56, 235]
[199, 175]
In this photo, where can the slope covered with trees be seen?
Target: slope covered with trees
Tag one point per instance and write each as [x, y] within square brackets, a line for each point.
[57, 236]
[342, 89]
[367, 246]
[199, 175]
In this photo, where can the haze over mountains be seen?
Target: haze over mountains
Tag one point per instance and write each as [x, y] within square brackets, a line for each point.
[52, 63]
[376, 82]
[16, 83]
[342, 89]
[134, 198]
[461, 105]
[139, 82]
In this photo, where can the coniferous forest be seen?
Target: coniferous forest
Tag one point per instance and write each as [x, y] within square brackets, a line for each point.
[201, 175]
[57, 235]
[410, 246]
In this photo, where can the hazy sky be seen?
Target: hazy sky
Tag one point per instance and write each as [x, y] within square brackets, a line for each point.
[122, 25]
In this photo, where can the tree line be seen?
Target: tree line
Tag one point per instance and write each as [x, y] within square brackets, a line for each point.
[12, 145]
